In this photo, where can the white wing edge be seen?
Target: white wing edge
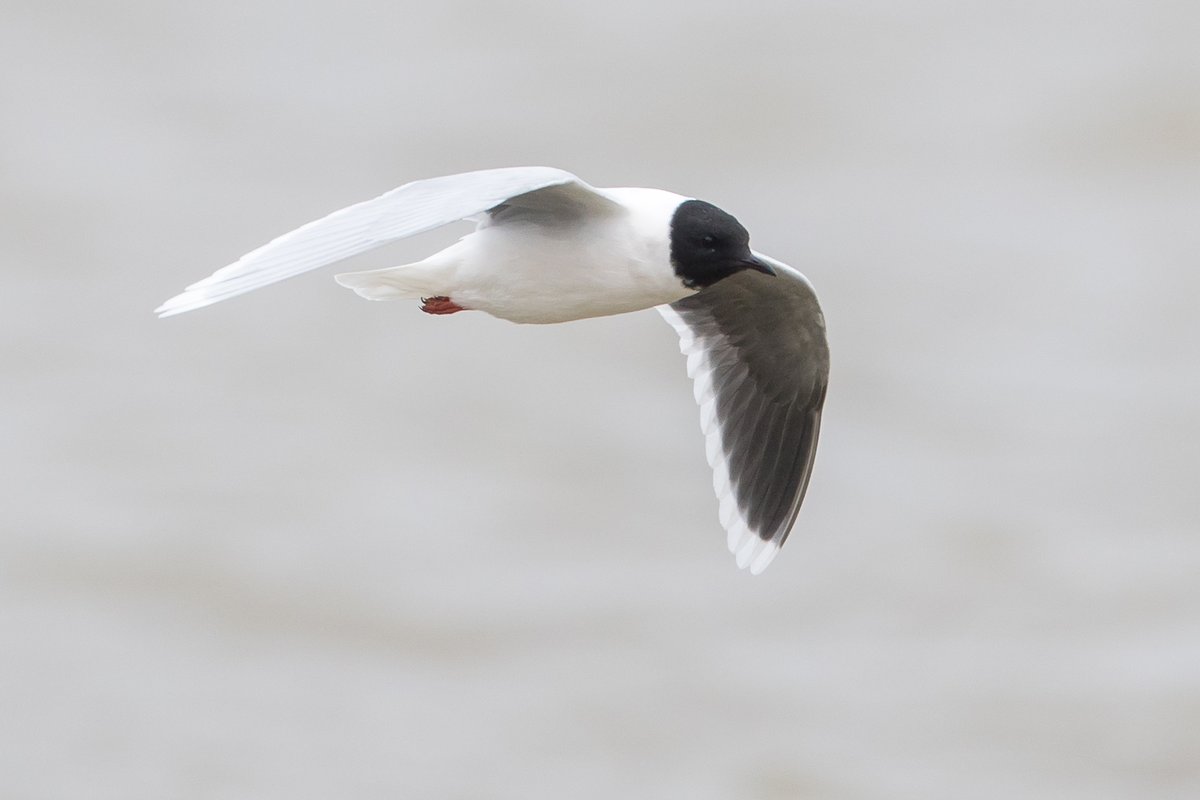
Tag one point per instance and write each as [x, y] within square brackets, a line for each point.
[782, 267]
[409, 209]
[749, 550]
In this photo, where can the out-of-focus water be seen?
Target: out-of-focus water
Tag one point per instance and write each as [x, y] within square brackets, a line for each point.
[303, 546]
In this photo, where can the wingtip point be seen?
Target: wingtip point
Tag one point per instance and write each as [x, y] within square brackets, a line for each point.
[764, 558]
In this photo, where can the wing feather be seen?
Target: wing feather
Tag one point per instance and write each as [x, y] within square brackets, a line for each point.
[413, 208]
[758, 354]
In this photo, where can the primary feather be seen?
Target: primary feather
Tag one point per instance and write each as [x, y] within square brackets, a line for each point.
[413, 208]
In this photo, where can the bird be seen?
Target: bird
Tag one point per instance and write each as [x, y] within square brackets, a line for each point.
[548, 248]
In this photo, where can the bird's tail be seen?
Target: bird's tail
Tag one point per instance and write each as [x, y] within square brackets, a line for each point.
[409, 281]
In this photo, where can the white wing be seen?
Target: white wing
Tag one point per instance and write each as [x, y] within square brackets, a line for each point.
[757, 351]
[406, 211]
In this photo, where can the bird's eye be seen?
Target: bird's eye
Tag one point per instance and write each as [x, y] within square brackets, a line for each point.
[709, 241]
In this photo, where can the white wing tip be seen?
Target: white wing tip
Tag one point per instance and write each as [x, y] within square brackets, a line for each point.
[753, 552]
[748, 549]
[764, 558]
[175, 305]
[188, 300]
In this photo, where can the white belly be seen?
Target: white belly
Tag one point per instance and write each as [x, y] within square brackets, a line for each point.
[532, 273]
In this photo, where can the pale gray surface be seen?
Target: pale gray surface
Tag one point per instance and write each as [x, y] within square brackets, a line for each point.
[303, 546]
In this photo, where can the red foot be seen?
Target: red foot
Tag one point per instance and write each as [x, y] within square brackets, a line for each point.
[439, 305]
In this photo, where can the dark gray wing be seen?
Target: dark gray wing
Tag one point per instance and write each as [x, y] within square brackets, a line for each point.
[408, 210]
[757, 351]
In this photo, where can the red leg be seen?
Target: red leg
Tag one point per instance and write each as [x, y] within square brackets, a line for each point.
[439, 305]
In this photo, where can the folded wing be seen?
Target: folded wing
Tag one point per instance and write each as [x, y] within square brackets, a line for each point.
[408, 210]
[757, 352]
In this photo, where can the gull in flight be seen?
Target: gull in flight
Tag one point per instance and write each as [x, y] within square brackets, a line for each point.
[550, 248]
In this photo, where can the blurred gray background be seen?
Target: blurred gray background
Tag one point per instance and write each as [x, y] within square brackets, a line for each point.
[299, 545]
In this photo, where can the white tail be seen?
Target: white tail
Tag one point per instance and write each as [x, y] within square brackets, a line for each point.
[409, 281]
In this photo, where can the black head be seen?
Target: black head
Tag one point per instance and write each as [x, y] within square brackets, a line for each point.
[707, 245]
